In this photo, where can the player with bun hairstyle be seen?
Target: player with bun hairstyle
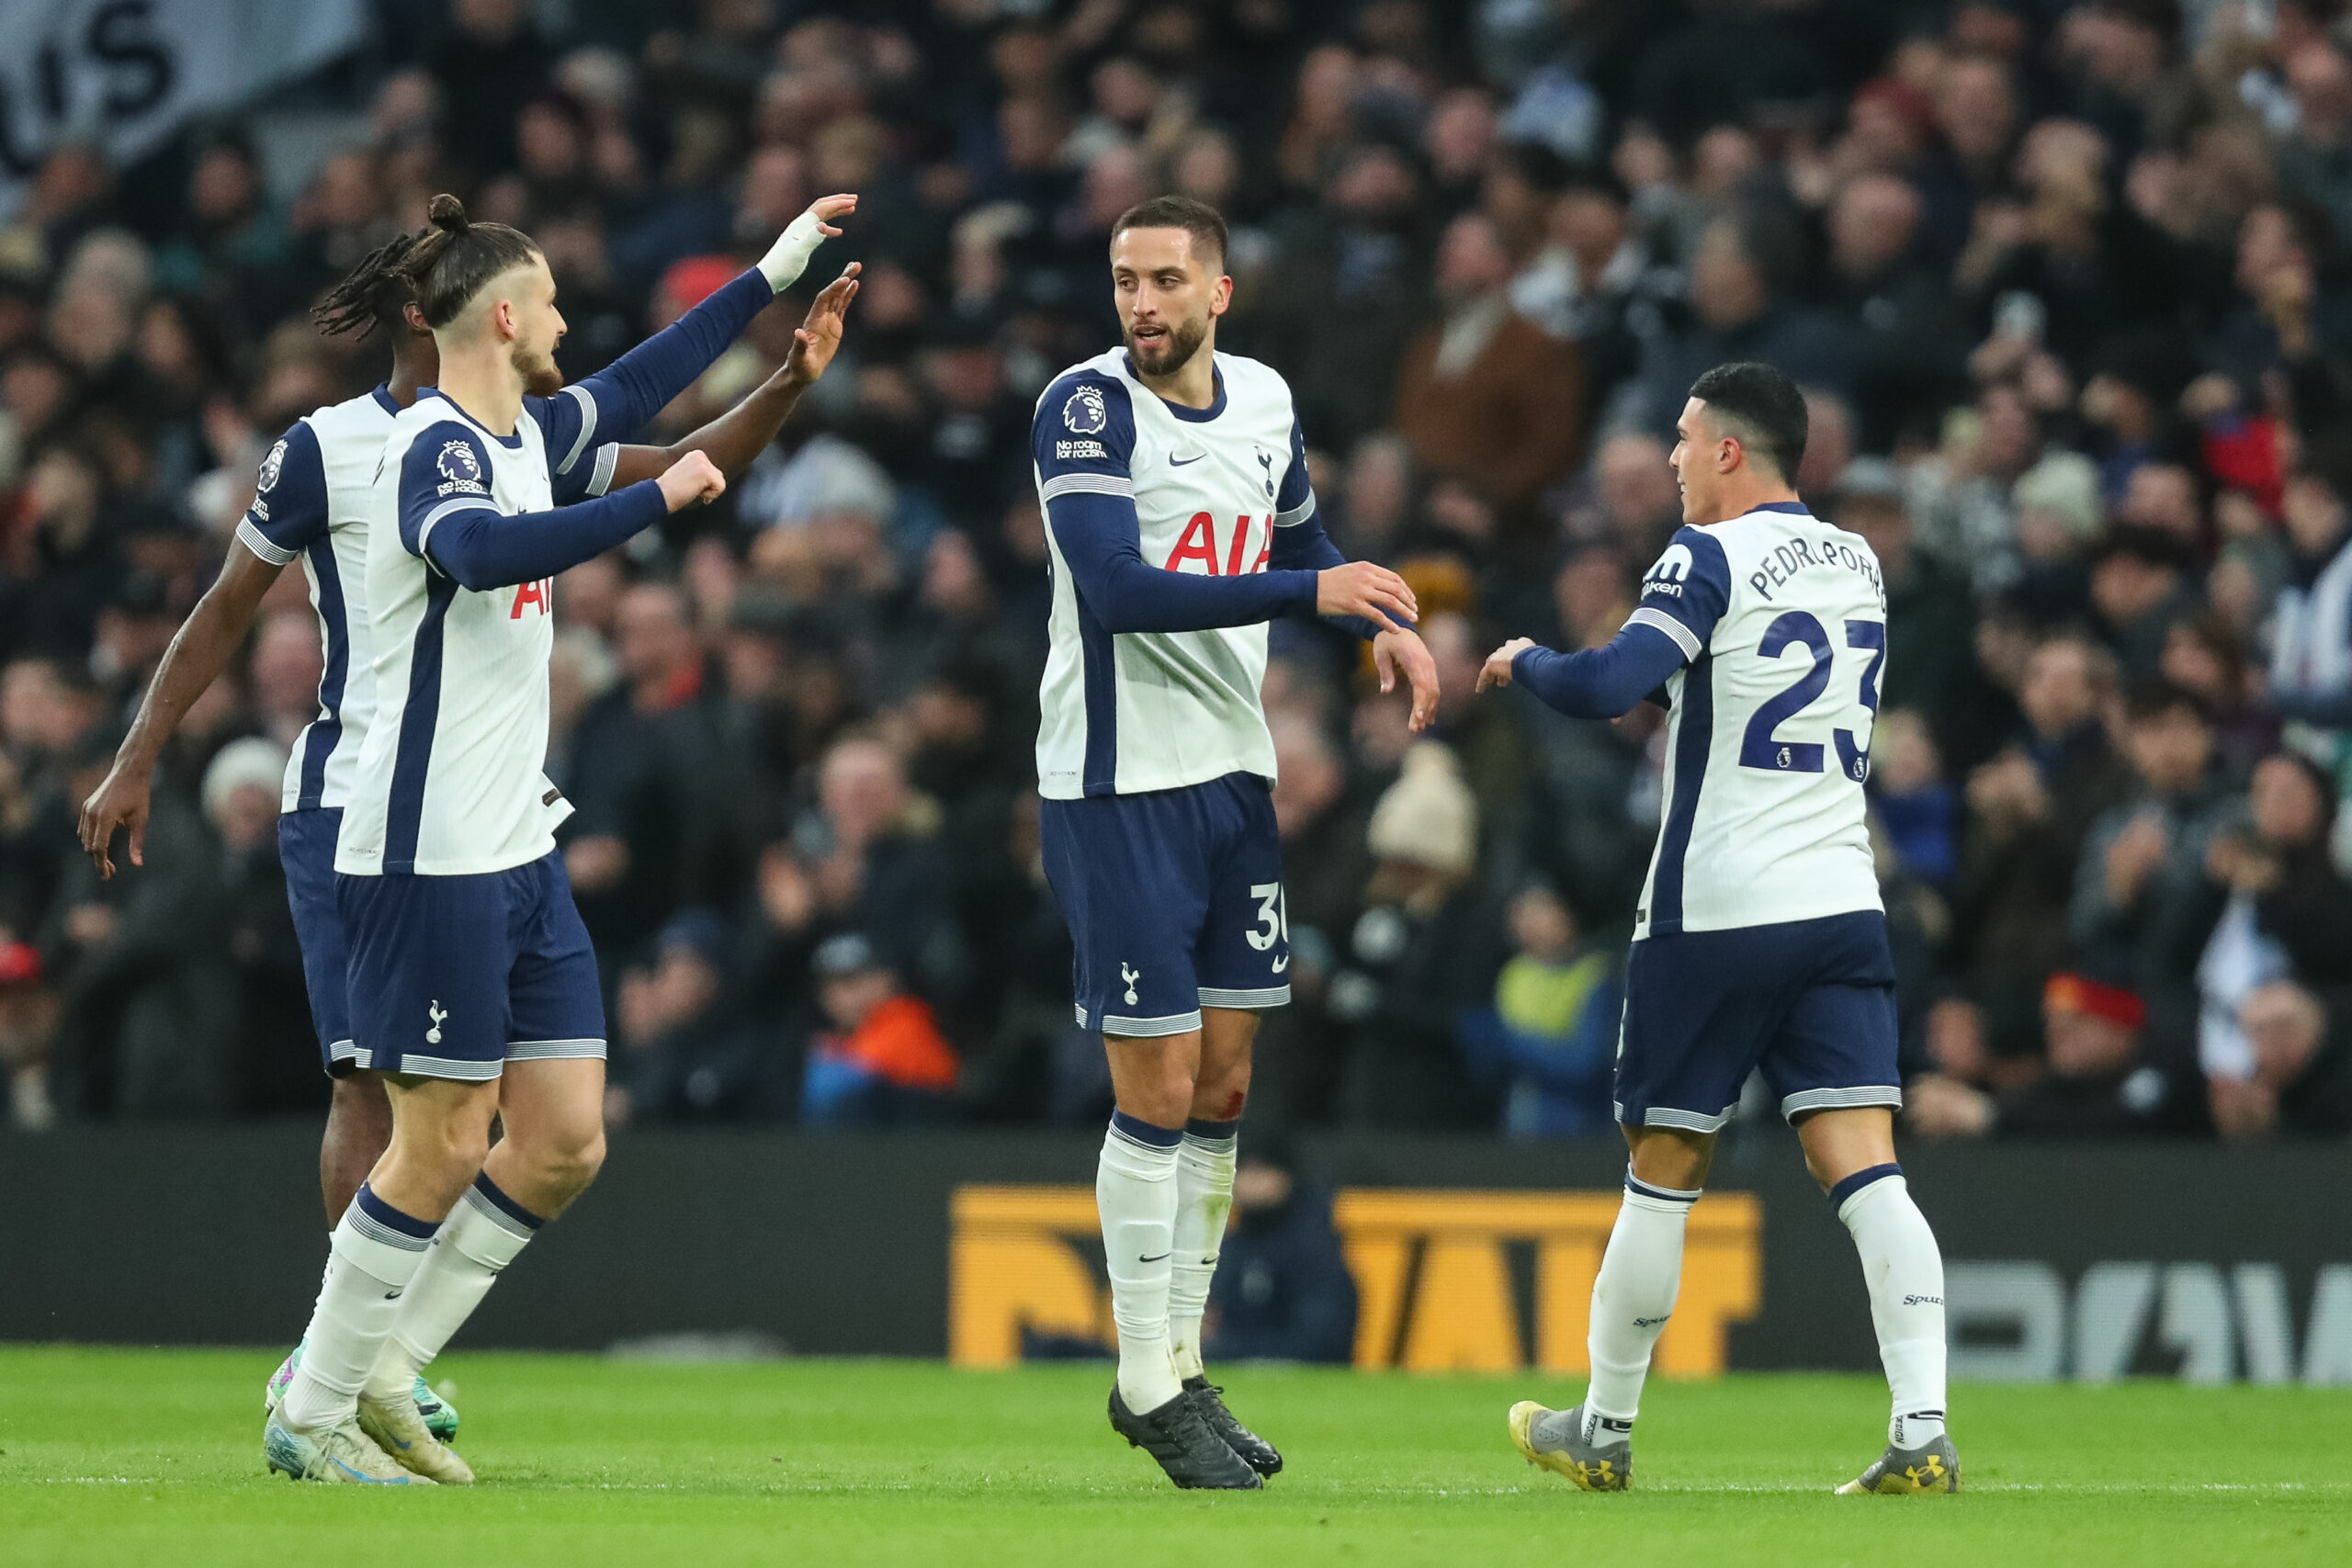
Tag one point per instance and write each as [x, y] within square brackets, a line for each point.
[471, 316]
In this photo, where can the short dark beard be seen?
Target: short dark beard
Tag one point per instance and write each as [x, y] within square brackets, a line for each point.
[1184, 341]
[541, 379]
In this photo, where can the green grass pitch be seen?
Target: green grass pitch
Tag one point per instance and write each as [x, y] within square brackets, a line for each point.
[153, 1458]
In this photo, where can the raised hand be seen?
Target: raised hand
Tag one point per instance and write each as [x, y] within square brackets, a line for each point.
[693, 478]
[819, 336]
[1361, 588]
[825, 208]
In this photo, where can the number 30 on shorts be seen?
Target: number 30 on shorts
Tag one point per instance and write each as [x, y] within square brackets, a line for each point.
[1273, 916]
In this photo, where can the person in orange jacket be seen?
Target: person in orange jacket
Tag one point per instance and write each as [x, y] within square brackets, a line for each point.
[887, 1062]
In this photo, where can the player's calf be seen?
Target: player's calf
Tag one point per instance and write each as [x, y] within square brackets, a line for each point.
[1905, 1272]
[554, 1115]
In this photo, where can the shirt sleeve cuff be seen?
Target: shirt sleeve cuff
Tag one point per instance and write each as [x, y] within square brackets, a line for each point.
[1684, 639]
[254, 539]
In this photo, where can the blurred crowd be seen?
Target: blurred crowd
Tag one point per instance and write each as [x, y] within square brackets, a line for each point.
[2065, 283]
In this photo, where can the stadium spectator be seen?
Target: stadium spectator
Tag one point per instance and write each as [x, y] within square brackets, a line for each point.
[2029, 809]
[2145, 851]
[884, 1061]
[2099, 1081]
[1425, 949]
[2262, 904]
[1484, 393]
[1282, 1292]
[2302, 1077]
[1551, 1036]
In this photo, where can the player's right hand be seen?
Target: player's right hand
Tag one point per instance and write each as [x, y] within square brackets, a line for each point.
[1495, 672]
[690, 481]
[815, 339]
[1361, 588]
[121, 801]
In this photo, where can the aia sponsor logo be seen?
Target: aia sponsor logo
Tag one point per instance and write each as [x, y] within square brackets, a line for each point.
[1224, 553]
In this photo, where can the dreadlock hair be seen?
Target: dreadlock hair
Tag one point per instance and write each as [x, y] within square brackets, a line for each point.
[374, 294]
[452, 261]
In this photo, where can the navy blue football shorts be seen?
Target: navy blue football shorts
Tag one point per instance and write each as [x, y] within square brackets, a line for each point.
[1810, 1002]
[1174, 900]
[306, 849]
[455, 977]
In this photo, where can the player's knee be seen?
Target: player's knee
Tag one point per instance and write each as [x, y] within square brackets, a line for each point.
[464, 1146]
[567, 1160]
[1221, 1096]
[439, 1158]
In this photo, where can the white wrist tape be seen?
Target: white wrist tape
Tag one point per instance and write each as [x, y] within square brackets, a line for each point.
[788, 257]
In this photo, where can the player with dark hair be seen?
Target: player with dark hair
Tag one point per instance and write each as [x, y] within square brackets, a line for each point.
[1181, 522]
[1760, 941]
[311, 501]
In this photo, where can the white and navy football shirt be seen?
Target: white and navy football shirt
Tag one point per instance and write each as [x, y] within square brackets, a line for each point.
[312, 502]
[1782, 622]
[449, 781]
[1218, 492]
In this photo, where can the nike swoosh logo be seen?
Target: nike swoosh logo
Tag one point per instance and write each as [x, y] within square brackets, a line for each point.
[1282, 964]
[1141, 1259]
[1180, 462]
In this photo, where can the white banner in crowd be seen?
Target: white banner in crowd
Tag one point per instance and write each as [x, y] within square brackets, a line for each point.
[124, 74]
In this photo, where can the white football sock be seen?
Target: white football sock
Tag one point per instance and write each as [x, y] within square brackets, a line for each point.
[1633, 1294]
[1135, 1193]
[372, 1256]
[1906, 1274]
[479, 1239]
[1204, 1199]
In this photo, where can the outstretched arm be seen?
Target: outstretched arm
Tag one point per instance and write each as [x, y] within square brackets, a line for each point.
[200, 649]
[736, 438]
[448, 518]
[617, 399]
[1102, 544]
[1682, 598]
[1592, 682]
[1083, 442]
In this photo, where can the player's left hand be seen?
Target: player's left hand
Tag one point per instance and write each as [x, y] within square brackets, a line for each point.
[825, 208]
[818, 337]
[789, 255]
[1394, 651]
[1497, 671]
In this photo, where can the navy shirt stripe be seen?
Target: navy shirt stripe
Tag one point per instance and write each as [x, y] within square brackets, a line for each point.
[413, 758]
[319, 743]
[1692, 744]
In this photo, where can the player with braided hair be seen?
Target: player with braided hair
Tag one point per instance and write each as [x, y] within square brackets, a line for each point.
[312, 501]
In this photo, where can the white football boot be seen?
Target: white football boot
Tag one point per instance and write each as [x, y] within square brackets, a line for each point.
[400, 1432]
[342, 1454]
